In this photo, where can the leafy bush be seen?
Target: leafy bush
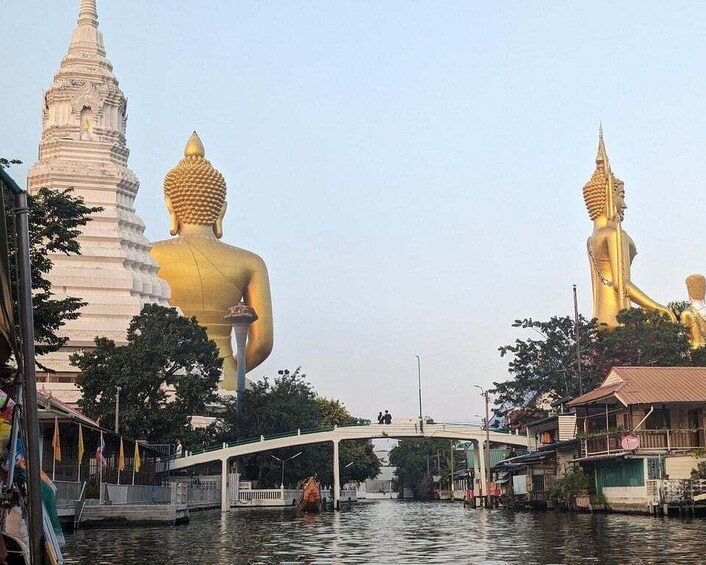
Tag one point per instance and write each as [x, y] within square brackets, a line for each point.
[566, 488]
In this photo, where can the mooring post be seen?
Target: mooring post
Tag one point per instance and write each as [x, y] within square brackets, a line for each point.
[225, 499]
[483, 484]
[336, 478]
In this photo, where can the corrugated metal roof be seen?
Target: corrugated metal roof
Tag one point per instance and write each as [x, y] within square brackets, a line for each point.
[651, 385]
[598, 394]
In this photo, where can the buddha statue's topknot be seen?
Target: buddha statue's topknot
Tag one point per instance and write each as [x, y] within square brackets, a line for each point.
[196, 189]
[595, 193]
[696, 285]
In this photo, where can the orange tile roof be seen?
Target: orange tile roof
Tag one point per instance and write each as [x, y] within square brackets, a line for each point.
[650, 385]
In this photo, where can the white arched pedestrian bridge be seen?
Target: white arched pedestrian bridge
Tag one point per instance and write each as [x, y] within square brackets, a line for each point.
[397, 430]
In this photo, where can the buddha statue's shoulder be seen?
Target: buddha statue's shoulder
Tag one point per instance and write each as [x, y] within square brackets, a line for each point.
[167, 250]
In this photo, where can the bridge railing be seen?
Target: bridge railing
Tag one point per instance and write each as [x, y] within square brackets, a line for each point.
[408, 425]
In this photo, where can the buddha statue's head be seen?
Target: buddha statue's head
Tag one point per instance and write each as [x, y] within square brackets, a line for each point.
[595, 194]
[194, 191]
[696, 286]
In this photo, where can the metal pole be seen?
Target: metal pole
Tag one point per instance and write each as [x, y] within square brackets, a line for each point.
[419, 374]
[487, 447]
[241, 337]
[578, 342]
[117, 407]
[31, 421]
[281, 482]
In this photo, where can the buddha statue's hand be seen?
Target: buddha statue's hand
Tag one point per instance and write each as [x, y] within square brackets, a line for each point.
[671, 315]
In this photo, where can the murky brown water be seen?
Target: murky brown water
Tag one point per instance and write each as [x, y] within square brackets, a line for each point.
[391, 532]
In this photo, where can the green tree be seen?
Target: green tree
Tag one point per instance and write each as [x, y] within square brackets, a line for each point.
[642, 339]
[55, 221]
[543, 366]
[416, 460]
[167, 372]
[545, 362]
[284, 405]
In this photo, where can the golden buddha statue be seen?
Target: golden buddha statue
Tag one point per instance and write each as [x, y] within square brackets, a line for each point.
[207, 276]
[610, 249]
[694, 317]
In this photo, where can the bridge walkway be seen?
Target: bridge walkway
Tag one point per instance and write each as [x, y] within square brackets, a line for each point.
[399, 429]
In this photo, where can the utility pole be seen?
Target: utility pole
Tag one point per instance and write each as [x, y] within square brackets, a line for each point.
[419, 374]
[117, 408]
[578, 342]
[487, 452]
[486, 395]
[453, 455]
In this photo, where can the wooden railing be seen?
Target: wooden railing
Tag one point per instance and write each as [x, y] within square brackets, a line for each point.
[650, 440]
[675, 491]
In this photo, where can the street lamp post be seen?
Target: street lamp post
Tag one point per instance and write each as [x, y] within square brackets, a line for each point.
[117, 407]
[485, 394]
[419, 374]
[283, 461]
[241, 316]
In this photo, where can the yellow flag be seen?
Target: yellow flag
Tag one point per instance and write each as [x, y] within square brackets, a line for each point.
[56, 442]
[80, 443]
[121, 461]
[137, 463]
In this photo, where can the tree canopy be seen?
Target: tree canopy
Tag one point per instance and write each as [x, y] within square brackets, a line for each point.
[544, 366]
[55, 219]
[167, 372]
[283, 405]
[416, 461]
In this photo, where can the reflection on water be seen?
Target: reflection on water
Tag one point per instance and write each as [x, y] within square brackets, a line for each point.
[391, 532]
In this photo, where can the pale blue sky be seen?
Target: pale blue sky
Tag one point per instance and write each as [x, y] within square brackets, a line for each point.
[411, 172]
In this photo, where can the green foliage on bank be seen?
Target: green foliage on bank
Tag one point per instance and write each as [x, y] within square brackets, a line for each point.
[566, 488]
[55, 220]
[417, 460]
[544, 364]
[282, 405]
[167, 372]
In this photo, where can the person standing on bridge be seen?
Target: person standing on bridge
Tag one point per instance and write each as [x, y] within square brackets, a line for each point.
[387, 418]
[179, 451]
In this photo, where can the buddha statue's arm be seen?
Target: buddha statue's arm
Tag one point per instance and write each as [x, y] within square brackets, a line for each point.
[641, 299]
[634, 293]
[261, 334]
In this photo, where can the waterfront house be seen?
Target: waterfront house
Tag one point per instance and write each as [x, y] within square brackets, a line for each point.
[640, 429]
[552, 448]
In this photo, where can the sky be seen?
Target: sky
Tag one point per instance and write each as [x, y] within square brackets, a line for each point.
[410, 171]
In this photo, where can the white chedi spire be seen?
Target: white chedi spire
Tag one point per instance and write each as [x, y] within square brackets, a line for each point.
[87, 13]
[83, 146]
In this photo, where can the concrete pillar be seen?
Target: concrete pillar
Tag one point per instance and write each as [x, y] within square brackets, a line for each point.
[336, 478]
[225, 499]
[481, 457]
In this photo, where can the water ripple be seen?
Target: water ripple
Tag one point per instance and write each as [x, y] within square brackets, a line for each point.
[396, 532]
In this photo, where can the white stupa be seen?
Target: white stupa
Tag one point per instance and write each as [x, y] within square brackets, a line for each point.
[83, 146]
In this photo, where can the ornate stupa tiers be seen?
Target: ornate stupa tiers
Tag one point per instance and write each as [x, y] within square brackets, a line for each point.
[83, 146]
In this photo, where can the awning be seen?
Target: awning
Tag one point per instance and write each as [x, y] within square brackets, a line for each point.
[527, 459]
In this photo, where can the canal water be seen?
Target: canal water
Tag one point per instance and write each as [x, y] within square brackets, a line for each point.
[393, 532]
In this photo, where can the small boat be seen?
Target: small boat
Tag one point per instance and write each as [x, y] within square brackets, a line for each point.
[310, 500]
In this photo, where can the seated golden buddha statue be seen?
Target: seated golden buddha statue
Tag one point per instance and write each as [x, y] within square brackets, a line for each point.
[207, 276]
[610, 249]
[694, 317]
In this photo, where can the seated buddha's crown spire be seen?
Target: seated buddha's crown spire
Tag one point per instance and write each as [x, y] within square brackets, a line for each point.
[595, 191]
[194, 147]
[602, 155]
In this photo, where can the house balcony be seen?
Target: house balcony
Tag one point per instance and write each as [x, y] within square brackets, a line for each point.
[651, 441]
